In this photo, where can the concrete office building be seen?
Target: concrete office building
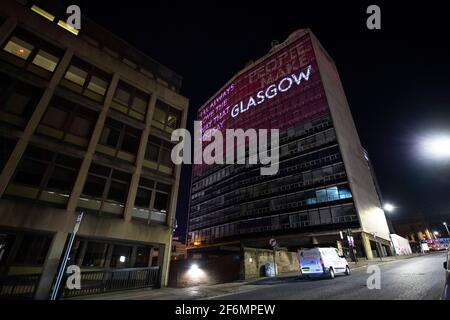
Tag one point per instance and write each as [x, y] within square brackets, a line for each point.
[85, 124]
[324, 184]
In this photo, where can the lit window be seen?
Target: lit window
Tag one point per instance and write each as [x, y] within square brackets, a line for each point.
[76, 75]
[43, 13]
[68, 27]
[45, 60]
[19, 48]
[98, 85]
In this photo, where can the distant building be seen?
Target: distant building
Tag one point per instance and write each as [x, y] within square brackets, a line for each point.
[325, 184]
[178, 249]
[414, 228]
[85, 124]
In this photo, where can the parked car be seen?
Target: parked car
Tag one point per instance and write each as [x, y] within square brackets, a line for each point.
[322, 262]
[446, 292]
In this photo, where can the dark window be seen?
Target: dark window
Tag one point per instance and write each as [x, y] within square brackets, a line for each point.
[62, 179]
[94, 186]
[30, 172]
[143, 197]
[142, 257]
[33, 249]
[95, 254]
[117, 191]
[161, 201]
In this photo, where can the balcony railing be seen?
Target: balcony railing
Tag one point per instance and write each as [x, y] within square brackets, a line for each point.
[18, 287]
[95, 282]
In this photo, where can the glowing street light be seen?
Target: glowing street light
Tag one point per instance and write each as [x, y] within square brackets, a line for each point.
[437, 147]
[388, 207]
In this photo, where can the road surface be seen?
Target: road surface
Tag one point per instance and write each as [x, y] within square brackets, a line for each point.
[419, 278]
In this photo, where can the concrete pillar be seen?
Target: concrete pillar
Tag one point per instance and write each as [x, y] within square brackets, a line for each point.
[134, 183]
[16, 155]
[164, 262]
[133, 257]
[50, 268]
[171, 216]
[150, 257]
[366, 245]
[82, 173]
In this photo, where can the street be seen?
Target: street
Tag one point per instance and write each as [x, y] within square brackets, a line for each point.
[418, 278]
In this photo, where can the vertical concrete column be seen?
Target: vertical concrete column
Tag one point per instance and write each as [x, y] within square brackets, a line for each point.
[51, 264]
[150, 257]
[6, 29]
[171, 216]
[32, 124]
[164, 261]
[366, 245]
[139, 160]
[82, 173]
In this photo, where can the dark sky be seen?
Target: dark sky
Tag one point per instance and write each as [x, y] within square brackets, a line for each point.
[397, 79]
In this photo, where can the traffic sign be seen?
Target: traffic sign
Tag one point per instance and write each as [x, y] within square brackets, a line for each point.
[273, 242]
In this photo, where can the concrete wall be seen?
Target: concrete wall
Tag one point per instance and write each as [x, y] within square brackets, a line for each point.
[362, 185]
[255, 259]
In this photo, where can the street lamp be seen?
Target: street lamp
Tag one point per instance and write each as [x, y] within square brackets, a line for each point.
[446, 227]
[436, 234]
[388, 207]
[437, 147]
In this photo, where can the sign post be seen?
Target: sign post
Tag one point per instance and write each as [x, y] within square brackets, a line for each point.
[62, 269]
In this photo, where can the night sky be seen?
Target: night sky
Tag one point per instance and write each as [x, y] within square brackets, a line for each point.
[397, 79]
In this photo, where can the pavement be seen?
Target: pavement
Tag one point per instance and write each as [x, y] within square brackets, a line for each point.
[414, 277]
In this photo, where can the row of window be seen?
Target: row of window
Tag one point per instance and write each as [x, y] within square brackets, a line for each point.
[273, 187]
[90, 254]
[291, 167]
[263, 207]
[61, 23]
[312, 217]
[286, 150]
[49, 177]
[32, 53]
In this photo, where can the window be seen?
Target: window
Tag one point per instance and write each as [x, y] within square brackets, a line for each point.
[30, 172]
[62, 179]
[121, 256]
[80, 126]
[95, 254]
[55, 117]
[24, 49]
[117, 191]
[42, 12]
[159, 152]
[46, 60]
[17, 98]
[131, 101]
[332, 194]
[143, 197]
[98, 85]
[142, 257]
[76, 75]
[86, 79]
[161, 202]
[94, 186]
[19, 48]
[344, 192]
[165, 117]
[33, 249]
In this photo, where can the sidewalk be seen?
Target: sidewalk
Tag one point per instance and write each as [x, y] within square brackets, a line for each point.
[217, 290]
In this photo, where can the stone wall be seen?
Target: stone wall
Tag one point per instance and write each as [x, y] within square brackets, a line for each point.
[255, 260]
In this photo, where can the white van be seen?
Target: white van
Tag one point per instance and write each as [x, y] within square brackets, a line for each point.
[322, 262]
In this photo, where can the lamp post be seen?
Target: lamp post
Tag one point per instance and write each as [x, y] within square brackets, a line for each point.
[446, 227]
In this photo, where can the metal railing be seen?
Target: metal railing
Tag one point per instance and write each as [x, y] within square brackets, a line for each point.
[18, 287]
[95, 282]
